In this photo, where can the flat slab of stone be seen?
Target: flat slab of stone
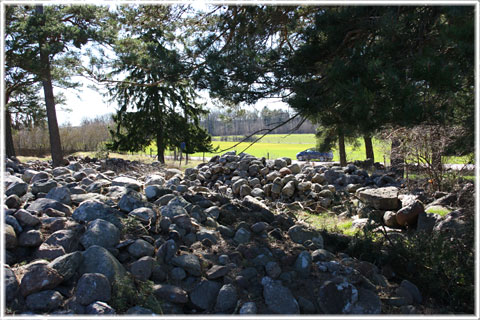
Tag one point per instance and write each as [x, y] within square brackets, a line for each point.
[380, 198]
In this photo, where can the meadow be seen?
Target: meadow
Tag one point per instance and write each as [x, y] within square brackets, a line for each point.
[274, 146]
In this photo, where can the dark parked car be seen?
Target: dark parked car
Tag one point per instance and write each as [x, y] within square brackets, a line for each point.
[312, 154]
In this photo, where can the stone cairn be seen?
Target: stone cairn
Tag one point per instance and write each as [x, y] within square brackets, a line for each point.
[210, 239]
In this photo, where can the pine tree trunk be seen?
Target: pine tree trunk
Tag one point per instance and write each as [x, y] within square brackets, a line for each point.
[341, 148]
[160, 148]
[55, 144]
[369, 148]
[9, 147]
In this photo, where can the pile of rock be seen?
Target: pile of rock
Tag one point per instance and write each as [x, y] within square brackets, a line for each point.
[281, 180]
[407, 211]
[206, 240]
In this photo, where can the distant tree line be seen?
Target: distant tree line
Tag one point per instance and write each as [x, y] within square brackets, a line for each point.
[246, 122]
[91, 135]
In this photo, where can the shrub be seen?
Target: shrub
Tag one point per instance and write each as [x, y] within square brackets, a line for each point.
[129, 292]
[441, 265]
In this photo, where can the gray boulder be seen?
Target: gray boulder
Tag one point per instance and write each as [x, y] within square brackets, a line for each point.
[17, 188]
[68, 264]
[26, 219]
[42, 204]
[170, 293]
[337, 298]
[248, 308]
[303, 264]
[380, 198]
[30, 238]
[60, 194]
[289, 189]
[300, 234]
[278, 298]
[10, 237]
[172, 210]
[427, 221]
[227, 299]
[101, 233]
[67, 239]
[12, 286]
[43, 186]
[142, 268]
[141, 248]
[60, 171]
[204, 294]
[39, 276]
[44, 301]
[242, 236]
[14, 223]
[93, 287]
[145, 215]
[127, 182]
[97, 259]
[413, 290]
[90, 210]
[131, 201]
[189, 262]
[368, 303]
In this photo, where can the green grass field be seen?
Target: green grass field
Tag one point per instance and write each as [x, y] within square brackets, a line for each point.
[274, 146]
[280, 145]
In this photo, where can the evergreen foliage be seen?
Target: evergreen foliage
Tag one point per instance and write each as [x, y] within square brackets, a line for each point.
[157, 99]
[41, 46]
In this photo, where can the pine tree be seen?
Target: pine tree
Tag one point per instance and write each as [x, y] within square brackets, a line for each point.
[42, 43]
[157, 98]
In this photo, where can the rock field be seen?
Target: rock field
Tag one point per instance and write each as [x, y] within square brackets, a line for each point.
[217, 239]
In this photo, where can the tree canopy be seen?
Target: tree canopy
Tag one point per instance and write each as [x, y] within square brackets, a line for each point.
[157, 99]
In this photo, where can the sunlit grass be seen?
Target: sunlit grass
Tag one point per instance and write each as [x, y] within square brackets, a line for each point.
[441, 211]
[274, 146]
[328, 222]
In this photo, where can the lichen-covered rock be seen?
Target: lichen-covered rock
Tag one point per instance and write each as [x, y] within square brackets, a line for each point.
[380, 198]
[303, 264]
[278, 298]
[68, 264]
[39, 276]
[337, 298]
